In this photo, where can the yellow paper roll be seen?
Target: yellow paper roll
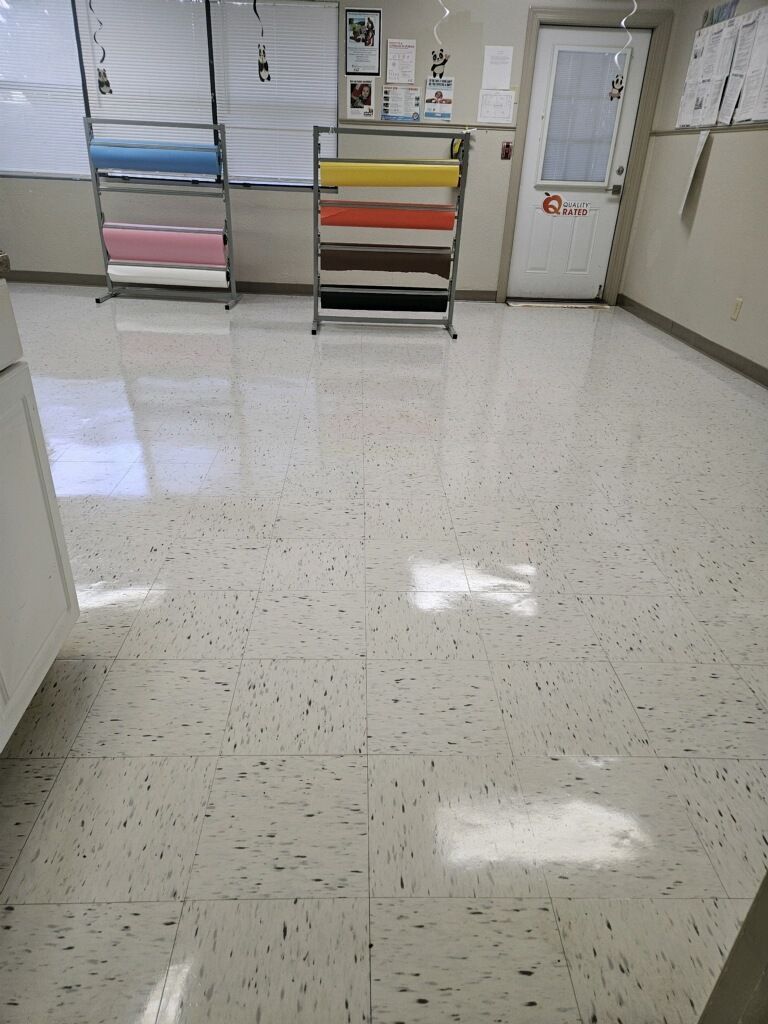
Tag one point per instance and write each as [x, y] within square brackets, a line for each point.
[390, 175]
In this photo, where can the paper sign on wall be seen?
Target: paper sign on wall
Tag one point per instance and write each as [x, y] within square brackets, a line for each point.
[703, 136]
[438, 99]
[361, 94]
[401, 61]
[401, 103]
[497, 67]
[496, 106]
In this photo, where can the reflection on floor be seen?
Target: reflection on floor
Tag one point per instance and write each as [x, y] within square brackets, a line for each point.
[415, 681]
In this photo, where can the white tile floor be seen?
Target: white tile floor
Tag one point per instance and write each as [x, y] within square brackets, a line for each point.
[414, 680]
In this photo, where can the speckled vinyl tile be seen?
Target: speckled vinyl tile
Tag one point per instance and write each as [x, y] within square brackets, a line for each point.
[315, 565]
[118, 829]
[107, 612]
[756, 678]
[526, 568]
[649, 629]
[24, 785]
[402, 516]
[433, 707]
[570, 523]
[495, 522]
[745, 526]
[307, 626]
[160, 708]
[696, 710]
[638, 961]
[289, 827]
[71, 479]
[553, 708]
[51, 722]
[449, 826]
[402, 565]
[713, 569]
[342, 518]
[486, 961]
[106, 552]
[607, 826]
[529, 627]
[191, 624]
[739, 628]
[726, 801]
[422, 624]
[175, 478]
[213, 565]
[298, 707]
[303, 961]
[233, 518]
[84, 964]
[617, 569]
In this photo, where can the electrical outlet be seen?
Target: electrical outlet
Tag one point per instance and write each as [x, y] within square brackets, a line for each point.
[737, 308]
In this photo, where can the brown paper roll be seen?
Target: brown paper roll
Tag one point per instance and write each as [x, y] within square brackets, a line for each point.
[401, 259]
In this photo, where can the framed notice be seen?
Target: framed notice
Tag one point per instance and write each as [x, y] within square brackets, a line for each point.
[362, 32]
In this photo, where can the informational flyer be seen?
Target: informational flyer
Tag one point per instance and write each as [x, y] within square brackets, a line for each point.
[496, 106]
[741, 55]
[401, 103]
[401, 61]
[497, 67]
[361, 98]
[438, 99]
[703, 136]
[753, 94]
[363, 41]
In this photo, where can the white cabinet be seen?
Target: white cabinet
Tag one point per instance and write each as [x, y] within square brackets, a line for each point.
[38, 605]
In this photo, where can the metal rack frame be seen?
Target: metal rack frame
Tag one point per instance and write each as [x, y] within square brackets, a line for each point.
[133, 183]
[448, 136]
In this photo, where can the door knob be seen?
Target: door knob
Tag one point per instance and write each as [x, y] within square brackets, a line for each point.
[620, 169]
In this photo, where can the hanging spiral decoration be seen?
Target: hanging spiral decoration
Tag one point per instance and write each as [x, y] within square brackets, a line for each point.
[256, 12]
[438, 22]
[628, 43]
[95, 34]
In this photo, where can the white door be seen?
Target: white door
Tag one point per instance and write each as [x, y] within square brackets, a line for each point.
[580, 127]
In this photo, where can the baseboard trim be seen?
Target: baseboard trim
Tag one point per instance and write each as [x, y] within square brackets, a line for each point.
[48, 277]
[747, 367]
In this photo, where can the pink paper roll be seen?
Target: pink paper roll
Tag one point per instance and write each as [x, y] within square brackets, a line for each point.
[148, 244]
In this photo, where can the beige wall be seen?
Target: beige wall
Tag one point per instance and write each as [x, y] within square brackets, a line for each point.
[50, 226]
[692, 268]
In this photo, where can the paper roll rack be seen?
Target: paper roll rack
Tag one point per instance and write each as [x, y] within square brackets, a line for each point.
[156, 260]
[439, 261]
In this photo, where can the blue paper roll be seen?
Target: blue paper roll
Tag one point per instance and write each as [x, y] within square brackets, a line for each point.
[184, 158]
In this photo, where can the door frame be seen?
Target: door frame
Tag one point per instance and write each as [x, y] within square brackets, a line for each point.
[660, 21]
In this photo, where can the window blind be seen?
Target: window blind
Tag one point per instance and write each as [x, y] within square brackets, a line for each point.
[41, 99]
[156, 57]
[582, 118]
[269, 124]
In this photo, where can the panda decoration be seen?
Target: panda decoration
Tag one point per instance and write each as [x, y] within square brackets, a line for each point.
[104, 87]
[617, 88]
[439, 60]
[264, 75]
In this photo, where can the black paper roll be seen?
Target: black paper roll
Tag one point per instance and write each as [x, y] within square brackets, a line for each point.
[396, 259]
[413, 300]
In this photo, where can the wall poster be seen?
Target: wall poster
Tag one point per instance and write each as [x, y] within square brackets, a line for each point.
[361, 93]
[363, 40]
[438, 99]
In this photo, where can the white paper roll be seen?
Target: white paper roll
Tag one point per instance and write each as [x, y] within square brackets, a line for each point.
[191, 277]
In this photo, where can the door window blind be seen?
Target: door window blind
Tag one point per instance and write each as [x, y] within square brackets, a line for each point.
[41, 99]
[269, 124]
[582, 117]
